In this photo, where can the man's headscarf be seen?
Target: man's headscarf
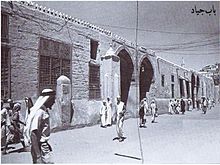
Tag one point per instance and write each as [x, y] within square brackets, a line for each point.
[45, 95]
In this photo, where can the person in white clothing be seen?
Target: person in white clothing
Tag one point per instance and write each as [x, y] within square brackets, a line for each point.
[153, 110]
[109, 112]
[190, 106]
[120, 109]
[38, 127]
[29, 104]
[170, 110]
[103, 112]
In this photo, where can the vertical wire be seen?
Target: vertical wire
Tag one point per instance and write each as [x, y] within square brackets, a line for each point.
[137, 82]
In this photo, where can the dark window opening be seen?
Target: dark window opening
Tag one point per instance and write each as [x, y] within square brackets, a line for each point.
[94, 81]
[5, 73]
[54, 62]
[172, 78]
[162, 80]
[4, 27]
[93, 49]
[172, 90]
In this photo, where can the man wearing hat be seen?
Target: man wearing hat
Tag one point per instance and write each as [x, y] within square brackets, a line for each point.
[37, 130]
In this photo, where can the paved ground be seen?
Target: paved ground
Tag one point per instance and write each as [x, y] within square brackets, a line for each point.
[190, 138]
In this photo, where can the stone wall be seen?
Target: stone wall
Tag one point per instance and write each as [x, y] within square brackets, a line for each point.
[28, 23]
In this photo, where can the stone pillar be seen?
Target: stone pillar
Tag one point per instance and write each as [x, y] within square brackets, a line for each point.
[63, 98]
[110, 75]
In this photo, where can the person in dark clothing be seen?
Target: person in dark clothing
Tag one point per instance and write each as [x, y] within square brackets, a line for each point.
[14, 126]
[142, 112]
[182, 105]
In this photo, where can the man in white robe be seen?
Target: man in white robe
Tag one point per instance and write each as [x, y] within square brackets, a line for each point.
[120, 109]
[109, 112]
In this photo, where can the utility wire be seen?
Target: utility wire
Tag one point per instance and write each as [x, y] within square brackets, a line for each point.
[174, 48]
[155, 31]
[137, 80]
[190, 54]
[187, 43]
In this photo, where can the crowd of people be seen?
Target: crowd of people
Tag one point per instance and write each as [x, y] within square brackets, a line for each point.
[33, 131]
[177, 106]
[107, 118]
[147, 107]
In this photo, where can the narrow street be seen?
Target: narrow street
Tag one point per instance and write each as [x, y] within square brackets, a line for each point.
[190, 138]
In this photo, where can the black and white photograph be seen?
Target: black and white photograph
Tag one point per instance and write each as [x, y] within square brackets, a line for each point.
[110, 82]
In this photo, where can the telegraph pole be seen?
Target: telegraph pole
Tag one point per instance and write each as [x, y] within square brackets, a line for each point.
[137, 82]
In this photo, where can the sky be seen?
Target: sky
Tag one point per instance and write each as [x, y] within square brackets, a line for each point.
[170, 28]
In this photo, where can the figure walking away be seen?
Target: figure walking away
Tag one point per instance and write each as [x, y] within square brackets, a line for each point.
[142, 112]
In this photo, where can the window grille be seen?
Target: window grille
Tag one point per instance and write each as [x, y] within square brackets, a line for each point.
[5, 73]
[4, 27]
[54, 62]
[93, 49]
[94, 82]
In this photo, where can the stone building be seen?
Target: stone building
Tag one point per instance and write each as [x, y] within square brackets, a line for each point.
[39, 45]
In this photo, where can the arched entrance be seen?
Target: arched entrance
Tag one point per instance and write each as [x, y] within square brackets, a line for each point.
[197, 85]
[126, 70]
[145, 78]
[192, 89]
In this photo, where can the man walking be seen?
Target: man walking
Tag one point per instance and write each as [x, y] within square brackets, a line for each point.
[120, 109]
[38, 127]
[142, 112]
[153, 107]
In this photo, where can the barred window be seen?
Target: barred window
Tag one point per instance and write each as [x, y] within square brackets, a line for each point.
[5, 72]
[4, 27]
[94, 81]
[54, 62]
[93, 49]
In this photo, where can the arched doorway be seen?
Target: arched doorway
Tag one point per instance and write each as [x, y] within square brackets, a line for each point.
[197, 85]
[192, 89]
[126, 71]
[145, 78]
